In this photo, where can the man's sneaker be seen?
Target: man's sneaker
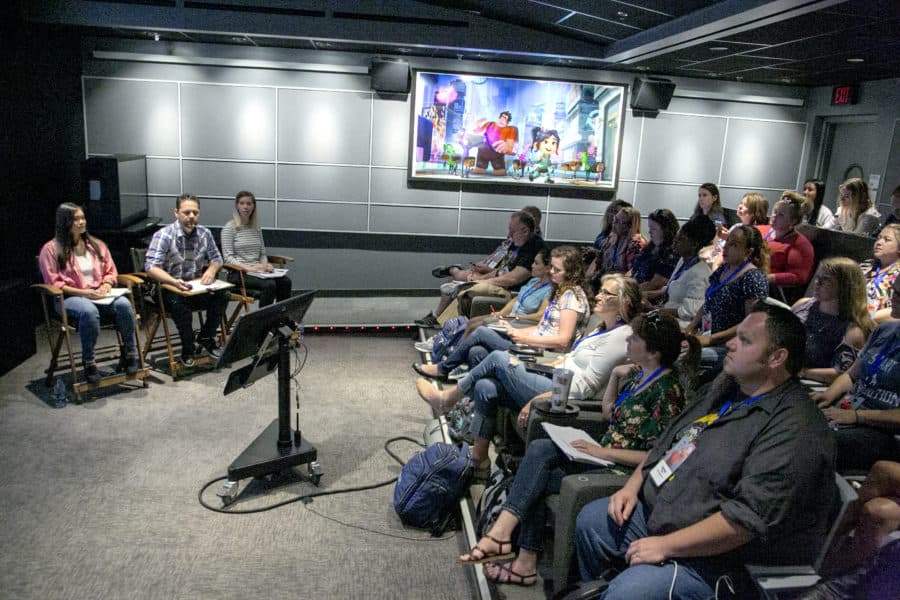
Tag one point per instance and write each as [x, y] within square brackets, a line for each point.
[428, 320]
[92, 373]
[426, 346]
[458, 373]
[187, 360]
[208, 346]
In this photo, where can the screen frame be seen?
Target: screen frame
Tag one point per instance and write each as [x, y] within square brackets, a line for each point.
[560, 180]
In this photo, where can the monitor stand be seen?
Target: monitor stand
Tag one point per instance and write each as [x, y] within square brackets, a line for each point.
[277, 449]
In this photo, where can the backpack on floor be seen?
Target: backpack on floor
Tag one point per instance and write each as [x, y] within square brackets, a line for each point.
[448, 337]
[430, 486]
[495, 493]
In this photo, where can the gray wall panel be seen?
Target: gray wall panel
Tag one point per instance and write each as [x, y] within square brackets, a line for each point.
[220, 121]
[214, 212]
[326, 216]
[131, 117]
[322, 126]
[321, 182]
[162, 207]
[485, 223]
[681, 148]
[396, 219]
[625, 191]
[629, 150]
[579, 205]
[680, 199]
[390, 129]
[164, 176]
[503, 201]
[208, 178]
[763, 152]
[389, 187]
[561, 226]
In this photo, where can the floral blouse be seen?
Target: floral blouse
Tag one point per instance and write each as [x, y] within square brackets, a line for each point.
[572, 299]
[725, 303]
[878, 285]
[639, 419]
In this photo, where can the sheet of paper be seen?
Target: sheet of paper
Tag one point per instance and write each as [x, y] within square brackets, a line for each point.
[265, 275]
[199, 288]
[563, 438]
[113, 294]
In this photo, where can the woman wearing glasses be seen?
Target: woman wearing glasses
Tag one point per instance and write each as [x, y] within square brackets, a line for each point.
[568, 310]
[855, 213]
[502, 380]
[881, 272]
[639, 401]
[791, 254]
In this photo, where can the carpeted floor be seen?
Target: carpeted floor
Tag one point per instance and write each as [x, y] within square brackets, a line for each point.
[100, 500]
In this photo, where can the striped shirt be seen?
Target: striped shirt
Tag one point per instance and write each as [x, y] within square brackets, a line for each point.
[243, 246]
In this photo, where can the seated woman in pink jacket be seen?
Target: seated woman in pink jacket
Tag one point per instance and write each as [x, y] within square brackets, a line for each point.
[81, 266]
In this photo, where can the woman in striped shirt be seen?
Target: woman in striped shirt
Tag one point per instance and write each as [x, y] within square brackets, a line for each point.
[243, 247]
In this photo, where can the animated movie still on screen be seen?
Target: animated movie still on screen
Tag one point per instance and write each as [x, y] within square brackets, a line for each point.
[476, 128]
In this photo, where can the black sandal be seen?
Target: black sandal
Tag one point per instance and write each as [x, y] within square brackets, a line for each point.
[505, 567]
[489, 556]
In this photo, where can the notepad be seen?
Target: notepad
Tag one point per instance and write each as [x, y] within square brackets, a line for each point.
[266, 275]
[112, 295]
[563, 438]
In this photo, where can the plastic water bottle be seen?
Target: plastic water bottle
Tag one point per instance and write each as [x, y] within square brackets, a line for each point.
[60, 396]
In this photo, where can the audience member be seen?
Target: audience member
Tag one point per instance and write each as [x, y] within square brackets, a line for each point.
[505, 269]
[243, 247]
[733, 290]
[639, 401]
[591, 252]
[709, 204]
[894, 217]
[863, 404]
[537, 215]
[855, 212]
[568, 310]
[178, 253]
[621, 247]
[501, 379]
[737, 478]
[836, 320]
[753, 209]
[685, 292]
[80, 265]
[791, 254]
[654, 265]
[814, 210]
[882, 271]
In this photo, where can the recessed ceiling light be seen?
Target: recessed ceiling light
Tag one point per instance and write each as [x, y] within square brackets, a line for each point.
[151, 34]
[239, 39]
[711, 74]
[622, 14]
[718, 48]
[643, 68]
[740, 77]
[855, 60]
[403, 50]
[786, 80]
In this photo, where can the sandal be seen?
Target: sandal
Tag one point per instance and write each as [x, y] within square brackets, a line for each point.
[489, 556]
[506, 568]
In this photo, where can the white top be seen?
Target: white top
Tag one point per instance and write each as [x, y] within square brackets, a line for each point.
[868, 223]
[593, 359]
[825, 220]
[688, 292]
[86, 266]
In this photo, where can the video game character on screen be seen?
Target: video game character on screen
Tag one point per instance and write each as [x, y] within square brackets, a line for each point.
[547, 144]
[499, 140]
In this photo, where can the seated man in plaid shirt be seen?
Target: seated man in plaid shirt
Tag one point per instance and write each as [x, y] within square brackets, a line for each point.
[177, 254]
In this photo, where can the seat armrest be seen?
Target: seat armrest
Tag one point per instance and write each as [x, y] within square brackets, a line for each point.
[772, 580]
[483, 305]
[279, 260]
[47, 289]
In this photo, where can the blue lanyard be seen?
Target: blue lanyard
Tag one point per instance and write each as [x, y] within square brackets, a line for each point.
[713, 289]
[595, 334]
[684, 267]
[547, 312]
[747, 402]
[877, 275]
[524, 296]
[616, 249]
[631, 390]
[770, 235]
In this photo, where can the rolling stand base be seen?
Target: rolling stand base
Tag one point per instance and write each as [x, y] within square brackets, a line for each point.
[264, 457]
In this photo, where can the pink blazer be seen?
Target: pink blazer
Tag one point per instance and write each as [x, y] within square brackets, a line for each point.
[104, 267]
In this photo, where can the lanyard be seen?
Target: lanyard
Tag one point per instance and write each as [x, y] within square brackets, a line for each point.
[631, 390]
[595, 334]
[713, 289]
[877, 275]
[524, 296]
[549, 308]
[770, 235]
[616, 249]
[748, 402]
[684, 267]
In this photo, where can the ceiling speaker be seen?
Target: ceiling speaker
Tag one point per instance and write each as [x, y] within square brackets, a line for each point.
[390, 75]
[649, 95]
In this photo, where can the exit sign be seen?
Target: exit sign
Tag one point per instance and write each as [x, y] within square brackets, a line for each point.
[844, 94]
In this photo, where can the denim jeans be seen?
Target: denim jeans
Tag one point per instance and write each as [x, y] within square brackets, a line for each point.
[474, 348]
[494, 383]
[182, 310]
[88, 317]
[600, 543]
[539, 475]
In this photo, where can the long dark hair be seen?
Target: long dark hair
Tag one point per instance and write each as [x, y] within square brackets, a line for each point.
[65, 217]
[614, 207]
[666, 219]
[662, 333]
[817, 203]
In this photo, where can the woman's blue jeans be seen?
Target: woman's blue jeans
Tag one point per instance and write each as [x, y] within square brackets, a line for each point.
[494, 383]
[88, 317]
[539, 475]
[474, 348]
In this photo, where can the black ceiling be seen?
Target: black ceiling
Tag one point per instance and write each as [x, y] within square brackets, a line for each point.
[796, 42]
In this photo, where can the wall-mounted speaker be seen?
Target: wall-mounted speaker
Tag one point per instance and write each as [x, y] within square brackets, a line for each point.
[390, 76]
[649, 95]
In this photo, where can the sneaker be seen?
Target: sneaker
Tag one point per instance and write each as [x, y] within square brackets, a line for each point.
[208, 346]
[427, 346]
[92, 373]
[458, 373]
[132, 365]
[187, 360]
[428, 320]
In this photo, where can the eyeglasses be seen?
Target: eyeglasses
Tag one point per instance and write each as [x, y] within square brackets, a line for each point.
[603, 292]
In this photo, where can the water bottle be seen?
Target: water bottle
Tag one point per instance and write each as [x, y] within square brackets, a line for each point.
[60, 396]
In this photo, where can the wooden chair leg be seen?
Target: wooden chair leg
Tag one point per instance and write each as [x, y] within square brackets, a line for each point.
[75, 389]
[55, 346]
